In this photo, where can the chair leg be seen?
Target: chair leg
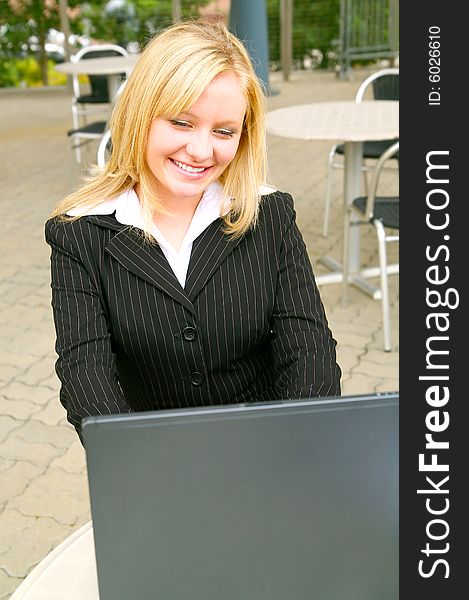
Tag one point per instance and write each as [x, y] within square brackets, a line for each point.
[365, 181]
[345, 257]
[78, 154]
[327, 198]
[76, 125]
[383, 267]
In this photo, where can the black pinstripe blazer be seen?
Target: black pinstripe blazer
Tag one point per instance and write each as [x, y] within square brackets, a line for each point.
[248, 326]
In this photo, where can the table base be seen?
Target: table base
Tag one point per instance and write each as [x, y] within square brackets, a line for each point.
[356, 279]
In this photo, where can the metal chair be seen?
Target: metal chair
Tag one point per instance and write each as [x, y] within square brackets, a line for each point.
[104, 149]
[382, 212]
[93, 101]
[83, 135]
[385, 86]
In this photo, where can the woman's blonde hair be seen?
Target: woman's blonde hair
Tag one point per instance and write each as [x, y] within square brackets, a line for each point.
[172, 72]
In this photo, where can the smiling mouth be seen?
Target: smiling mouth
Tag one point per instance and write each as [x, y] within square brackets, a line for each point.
[188, 168]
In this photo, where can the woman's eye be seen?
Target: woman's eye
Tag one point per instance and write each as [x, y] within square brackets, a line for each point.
[225, 132]
[178, 123]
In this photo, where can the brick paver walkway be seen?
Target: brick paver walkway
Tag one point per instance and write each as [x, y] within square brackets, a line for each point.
[43, 490]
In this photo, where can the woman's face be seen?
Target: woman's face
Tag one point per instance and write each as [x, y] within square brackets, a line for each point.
[192, 149]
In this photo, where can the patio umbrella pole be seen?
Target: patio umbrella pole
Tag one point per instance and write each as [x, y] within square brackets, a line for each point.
[248, 21]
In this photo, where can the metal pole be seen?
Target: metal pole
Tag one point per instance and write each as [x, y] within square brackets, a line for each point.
[342, 38]
[286, 17]
[176, 10]
[393, 24]
[65, 28]
[345, 23]
[248, 21]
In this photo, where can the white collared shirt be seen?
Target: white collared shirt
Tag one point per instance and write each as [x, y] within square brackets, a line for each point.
[129, 212]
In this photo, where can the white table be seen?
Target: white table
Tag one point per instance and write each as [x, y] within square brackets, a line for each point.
[108, 65]
[352, 123]
[66, 573]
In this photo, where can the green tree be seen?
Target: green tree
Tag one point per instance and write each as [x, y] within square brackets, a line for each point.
[24, 25]
[315, 24]
[121, 21]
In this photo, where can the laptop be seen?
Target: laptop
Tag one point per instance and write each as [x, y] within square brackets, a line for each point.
[292, 500]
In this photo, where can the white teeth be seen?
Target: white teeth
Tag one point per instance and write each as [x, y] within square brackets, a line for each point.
[185, 167]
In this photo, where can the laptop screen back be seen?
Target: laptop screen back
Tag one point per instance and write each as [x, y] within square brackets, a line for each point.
[293, 500]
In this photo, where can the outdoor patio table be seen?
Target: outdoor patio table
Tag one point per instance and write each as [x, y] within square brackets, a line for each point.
[352, 123]
[111, 66]
[66, 573]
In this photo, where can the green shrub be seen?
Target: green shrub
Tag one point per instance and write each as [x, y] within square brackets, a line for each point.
[29, 73]
[26, 72]
[8, 73]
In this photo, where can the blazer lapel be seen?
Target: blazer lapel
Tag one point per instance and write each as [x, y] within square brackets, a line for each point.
[209, 250]
[143, 259]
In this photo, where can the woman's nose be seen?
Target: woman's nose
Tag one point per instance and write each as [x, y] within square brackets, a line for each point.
[200, 147]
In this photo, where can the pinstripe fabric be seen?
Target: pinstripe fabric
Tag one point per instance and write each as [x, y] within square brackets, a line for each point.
[248, 326]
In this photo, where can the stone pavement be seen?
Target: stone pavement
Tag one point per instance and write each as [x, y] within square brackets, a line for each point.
[43, 489]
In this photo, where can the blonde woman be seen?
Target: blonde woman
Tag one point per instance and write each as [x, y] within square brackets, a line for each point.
[178, 278]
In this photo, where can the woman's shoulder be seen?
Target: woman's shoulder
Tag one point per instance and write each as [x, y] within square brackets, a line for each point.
[76, 219]
[78, 233]
[277, 203]
[61, 225]
[271, 194]
[66, 234]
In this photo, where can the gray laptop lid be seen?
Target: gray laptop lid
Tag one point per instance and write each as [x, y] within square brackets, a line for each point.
[296, 500]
